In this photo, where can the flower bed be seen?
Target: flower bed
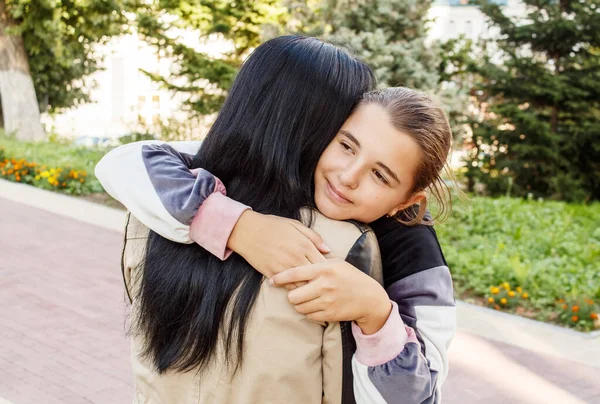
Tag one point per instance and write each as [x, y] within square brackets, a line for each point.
[66, 177]
[546, 253]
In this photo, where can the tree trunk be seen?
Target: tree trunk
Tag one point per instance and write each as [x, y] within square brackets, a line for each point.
[20, 108]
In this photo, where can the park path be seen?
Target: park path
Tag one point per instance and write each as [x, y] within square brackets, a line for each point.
[62, 332]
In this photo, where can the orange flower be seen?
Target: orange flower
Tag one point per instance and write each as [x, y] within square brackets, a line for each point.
[496, 307]
[575, 309]
[594, 316]
[560, 301]
[565, 307]
[574, 319]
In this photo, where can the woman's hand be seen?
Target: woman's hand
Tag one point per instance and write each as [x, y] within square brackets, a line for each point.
[272, 244]
[337, 291]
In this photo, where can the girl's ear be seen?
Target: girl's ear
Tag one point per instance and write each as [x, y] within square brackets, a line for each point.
[412, 200]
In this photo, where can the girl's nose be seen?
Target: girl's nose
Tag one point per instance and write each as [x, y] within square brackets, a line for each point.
[349, 177]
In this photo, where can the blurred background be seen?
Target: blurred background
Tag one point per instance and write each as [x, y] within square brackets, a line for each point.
[520, 81]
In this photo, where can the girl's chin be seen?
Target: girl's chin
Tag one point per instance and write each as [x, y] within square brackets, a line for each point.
[331, 211]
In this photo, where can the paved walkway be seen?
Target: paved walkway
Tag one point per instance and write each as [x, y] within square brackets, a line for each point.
[62, 337]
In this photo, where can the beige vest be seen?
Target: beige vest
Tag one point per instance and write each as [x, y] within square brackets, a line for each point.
[287, 358]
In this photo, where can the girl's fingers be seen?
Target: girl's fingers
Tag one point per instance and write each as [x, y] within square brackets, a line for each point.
[314, 237]
[293, 275]
[304, 294]
[318, 316]
[312, 306]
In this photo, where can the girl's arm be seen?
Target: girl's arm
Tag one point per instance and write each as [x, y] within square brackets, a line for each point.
[401, 354]
[153, 181]
[418, 280]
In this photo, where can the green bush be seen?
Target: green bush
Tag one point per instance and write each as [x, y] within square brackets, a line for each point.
[551, 249]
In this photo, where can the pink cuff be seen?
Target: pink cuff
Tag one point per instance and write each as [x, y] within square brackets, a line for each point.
[214, 222]
[387, 343]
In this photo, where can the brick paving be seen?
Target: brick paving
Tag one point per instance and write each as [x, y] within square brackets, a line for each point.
[61, 311]
[62, 333]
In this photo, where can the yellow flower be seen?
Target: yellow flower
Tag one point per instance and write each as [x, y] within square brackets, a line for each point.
[503, 300]
[511, 293]
[37, 177]
[519, 289]
[45, 174]
[525, 295]
[491, 300]
[494, 290]
[506, 286]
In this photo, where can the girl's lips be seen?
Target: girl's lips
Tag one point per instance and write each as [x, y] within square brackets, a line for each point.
[335, 194]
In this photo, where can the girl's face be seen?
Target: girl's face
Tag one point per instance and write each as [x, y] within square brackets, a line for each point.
[368, 170]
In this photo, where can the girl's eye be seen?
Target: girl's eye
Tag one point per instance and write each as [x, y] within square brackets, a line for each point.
[346, 146]
[381, 177]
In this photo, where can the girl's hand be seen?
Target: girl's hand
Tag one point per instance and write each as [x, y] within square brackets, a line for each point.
[272, 244]
[337, 291]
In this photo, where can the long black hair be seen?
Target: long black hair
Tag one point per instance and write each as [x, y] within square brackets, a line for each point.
[287, 103]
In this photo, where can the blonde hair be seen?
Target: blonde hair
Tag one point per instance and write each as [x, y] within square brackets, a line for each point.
[417, 115]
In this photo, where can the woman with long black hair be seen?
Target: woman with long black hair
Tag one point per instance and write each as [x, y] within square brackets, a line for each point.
[292, 96]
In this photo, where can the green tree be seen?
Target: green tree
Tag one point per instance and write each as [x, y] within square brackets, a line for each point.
[47, 52]
[390, 35]
[538, 98]
[204, 78]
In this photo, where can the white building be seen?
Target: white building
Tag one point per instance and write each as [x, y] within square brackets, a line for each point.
[452, 18]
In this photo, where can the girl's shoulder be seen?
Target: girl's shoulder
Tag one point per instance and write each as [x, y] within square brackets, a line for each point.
[406, 250]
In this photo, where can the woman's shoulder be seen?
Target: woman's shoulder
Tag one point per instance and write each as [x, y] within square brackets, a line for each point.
[406, 250]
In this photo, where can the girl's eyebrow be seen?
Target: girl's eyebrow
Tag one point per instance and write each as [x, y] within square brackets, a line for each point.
[389, 171]
[379, 163]
[350, 136]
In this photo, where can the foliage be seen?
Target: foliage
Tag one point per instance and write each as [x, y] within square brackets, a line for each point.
[203, 77]
[50, 165]
[535, 119]
[551, 249]
[389, 35]
[60, 38]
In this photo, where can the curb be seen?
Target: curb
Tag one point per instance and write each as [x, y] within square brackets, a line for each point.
[529, 321]
[64, 205]
[536, 336]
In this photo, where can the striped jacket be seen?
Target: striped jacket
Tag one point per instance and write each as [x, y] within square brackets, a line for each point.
[405, 362]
